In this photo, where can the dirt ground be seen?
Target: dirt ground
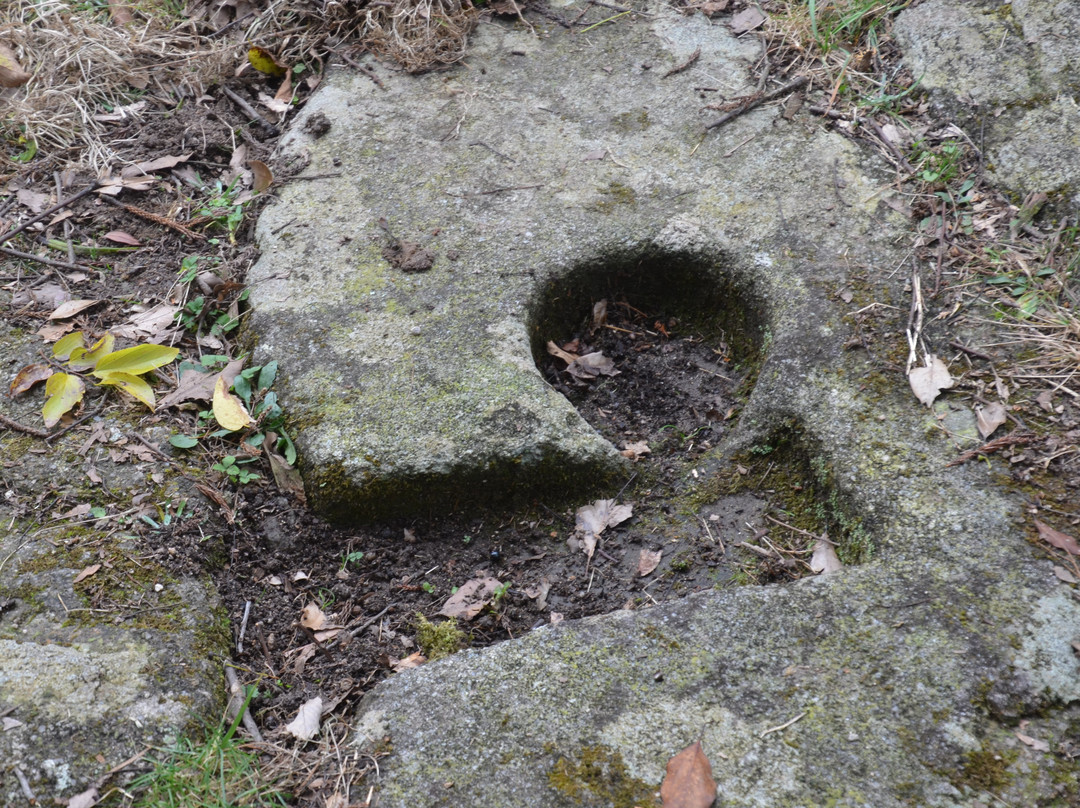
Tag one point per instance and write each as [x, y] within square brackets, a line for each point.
[677, 392]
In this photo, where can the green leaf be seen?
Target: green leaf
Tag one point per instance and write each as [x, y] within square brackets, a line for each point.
[63, 348]
[184, 441]
[130, 384]
[242, 386]
[64, 392]
[267, 375]
[137, 360]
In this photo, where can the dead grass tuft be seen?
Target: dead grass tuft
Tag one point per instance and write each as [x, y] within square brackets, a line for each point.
[422, 34]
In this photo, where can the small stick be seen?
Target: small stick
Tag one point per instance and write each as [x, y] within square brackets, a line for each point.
[156, 219]
[736, 148]
[10, 234]
[50, 438]
[17, 427]
[38, 258]
[806, 533]
[899, 155]
[25, 786]
[827, 113]
[369, 622]
[790, 87]
[250, 110]
[971, 351]
[243, 628]
[679, 68]
[988, 448]
[785, 725]
[237, 690]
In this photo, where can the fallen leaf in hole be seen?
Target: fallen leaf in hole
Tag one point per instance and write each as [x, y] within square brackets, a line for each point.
[1063, 541]
[1064, 575]
[300, 575]
[746, 20]
[287, 478]
[409, 256]
[120, 237]
[601, 514]
[414, 660]
[306, 724]
[558, 352]
[556, 618]
[1037, 745]
[273, 580]
[263, 177]
[273, 104]
[636, 450]
[648, 561]
[1045, 399]
[470, 599]
[409, 536]
[71, 308]
[284, 94]
[197, 386]
[229, 410]
[28, 377]
[592, 365]
[539, 593]
[824, 557]
[990, 417]
[599, 313]
[86, 573]
[11, 73]
[589, 542]
[928, 382]
[688, 782]
[85, 799]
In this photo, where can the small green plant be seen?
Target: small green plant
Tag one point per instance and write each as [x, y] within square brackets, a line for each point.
[217, 772]
[223, 209]
[498, 594]
[940, 166]
[233, 468]
[351, 558]
[439, 639]
[428, 587]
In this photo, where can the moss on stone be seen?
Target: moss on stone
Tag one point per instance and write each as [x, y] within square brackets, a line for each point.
[599, 776]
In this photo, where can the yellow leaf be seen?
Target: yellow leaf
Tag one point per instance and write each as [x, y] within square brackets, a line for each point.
[130, 384]
[64, 392]
[137, 360]
[228, 409]
[63, 348]
[263, 61]
[83, 360]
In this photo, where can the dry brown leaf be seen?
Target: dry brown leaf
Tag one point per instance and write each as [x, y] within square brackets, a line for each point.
[601, 514]
[414, 660]
[592, 365]
[71, 308]
[197, 386]
[824, 558]
[470, 599]
[306, 724]
[648, 561]
[149, 324]
[1064, 575]
[990, 417]
[120, 237]
[261, 175]
[86, 573]
[11, 73]
[928, 382]
[558, 352]
[28, 377]
[1063, 541]
[51, 332]
[287, 478]
[158, 164]
[8, 724]
[589, 543]
[636, 450]
[120, 12]
[311, 616]
[1034, 743]
[746, 20]
[1045, 399]
[34, 200]
[688, 782]
[85, 799]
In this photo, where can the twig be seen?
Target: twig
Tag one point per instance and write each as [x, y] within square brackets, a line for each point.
[681, 66]
[243, 628]
[971, 351]
[237, 698]
[806, 533]
[50, 438]
[250, 111]
[17, 427]
[785, 725]
[38, 258]
[367, 71]
[901, 161]
[1012, 439]
[790, 87]
[153, 217]
[369, 622]
[46, 213]
[498, 190]
[25, 786]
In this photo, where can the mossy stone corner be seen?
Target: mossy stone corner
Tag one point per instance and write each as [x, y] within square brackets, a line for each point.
[417, 392]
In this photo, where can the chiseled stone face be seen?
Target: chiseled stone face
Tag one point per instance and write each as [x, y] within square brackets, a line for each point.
[541, 169]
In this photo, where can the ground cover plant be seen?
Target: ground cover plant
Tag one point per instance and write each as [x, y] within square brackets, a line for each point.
[133, 168]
